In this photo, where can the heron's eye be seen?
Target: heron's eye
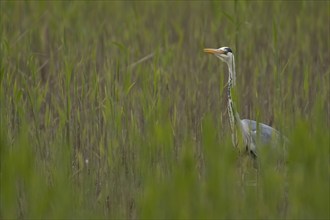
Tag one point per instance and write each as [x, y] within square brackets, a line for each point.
[228, 50]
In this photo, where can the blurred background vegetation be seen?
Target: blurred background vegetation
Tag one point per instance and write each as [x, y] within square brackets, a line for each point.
[112, 110]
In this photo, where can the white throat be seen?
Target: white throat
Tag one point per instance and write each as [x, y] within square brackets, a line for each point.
[232, 72]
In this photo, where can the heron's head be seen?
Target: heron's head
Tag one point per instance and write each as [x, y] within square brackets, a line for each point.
[223, 53]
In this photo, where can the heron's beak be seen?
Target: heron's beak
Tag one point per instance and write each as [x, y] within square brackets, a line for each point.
[213, 51]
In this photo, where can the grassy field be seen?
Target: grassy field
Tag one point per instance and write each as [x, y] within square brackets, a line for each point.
[112, 110]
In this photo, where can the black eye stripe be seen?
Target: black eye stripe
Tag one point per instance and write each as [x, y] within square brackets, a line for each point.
[228, 50]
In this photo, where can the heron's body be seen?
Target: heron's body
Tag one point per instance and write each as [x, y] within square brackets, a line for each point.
[253, 134]
[262, 132]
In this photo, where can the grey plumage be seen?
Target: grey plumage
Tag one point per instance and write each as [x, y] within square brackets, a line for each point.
[254, 134]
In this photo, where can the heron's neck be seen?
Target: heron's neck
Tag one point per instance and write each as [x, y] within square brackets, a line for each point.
[231, 83]
[232, 72]
[233, 115]
[231, 78]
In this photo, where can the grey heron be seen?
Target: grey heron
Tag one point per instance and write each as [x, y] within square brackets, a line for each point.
[253, 134]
